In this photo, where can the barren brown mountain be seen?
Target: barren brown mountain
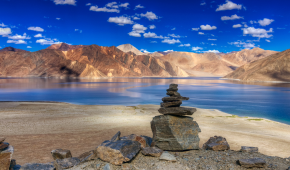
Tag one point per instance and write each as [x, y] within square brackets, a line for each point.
[129, 48]
[64, 46]
[88, 61]
[245, 56]
[275, 67]
[11, 49]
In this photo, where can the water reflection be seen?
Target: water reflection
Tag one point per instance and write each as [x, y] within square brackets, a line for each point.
[268, 100]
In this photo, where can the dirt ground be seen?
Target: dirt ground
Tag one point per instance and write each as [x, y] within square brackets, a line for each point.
[34, 129]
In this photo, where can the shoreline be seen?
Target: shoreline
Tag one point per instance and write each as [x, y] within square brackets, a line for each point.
[255, 81]
[36, 128]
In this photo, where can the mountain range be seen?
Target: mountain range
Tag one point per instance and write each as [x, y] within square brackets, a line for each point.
[93, 61]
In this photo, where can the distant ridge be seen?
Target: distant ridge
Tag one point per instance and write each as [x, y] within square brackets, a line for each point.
[11, 49]
[64, 47]
[275, 67]
[128, 47]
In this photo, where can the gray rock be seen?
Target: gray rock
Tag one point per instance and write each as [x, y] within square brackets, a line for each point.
[252, 163]
[173, 93]
[249, 149]
[151, 151]
[116, 137]
[145, 141]
[172, 89]
[170, 99]
[167, 156]
[66, 163]
[12, 163]
[171, 104]
[37, 166]
[87, 156]
[61, 154]
[175, 132]
[107, 167]
[216, 143]
[118, 152]
[173, 85]
[179, 111]
[288, 168]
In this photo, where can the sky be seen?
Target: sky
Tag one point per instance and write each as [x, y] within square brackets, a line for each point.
[149, 25]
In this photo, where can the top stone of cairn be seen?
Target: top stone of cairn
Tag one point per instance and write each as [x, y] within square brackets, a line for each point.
[171, 105]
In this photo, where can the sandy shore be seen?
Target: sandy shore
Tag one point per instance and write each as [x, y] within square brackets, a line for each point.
[34, 129]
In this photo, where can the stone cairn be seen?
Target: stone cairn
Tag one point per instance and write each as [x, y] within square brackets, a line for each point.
[174, 131]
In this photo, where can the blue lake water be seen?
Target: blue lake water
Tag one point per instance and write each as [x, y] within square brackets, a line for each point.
[265, 100]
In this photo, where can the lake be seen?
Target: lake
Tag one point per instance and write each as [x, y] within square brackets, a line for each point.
[265, 100]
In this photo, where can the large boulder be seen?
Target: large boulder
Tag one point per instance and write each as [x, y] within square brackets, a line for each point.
[6, 157]
[61, 154]
[175, 133]
[37, 166]
[252, 163]
[216, 143]
[117, 152]
[179, 111]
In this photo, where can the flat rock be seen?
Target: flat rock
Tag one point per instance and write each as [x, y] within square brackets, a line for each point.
[252, 163]
[171, 104]
[172, 89]
[37, 166]
[173, 93]
[118, 152]
[249, 149]
[87, 156]
[175, 133]
[66, 163]
[167, 156]
[216, 143]
[179, 111]
[3, 146]
[61, 154]
[151, 151]
[173, 85]
[2, 139]
[145, 141]
[170, 99]
[6, 157]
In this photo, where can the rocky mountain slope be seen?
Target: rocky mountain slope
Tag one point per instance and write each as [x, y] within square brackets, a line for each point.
[275, 67]
[87, 61]
[128, 47]
[11, 49]
[64, 46]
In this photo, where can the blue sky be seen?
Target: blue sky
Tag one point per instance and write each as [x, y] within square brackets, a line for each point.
[151, 25]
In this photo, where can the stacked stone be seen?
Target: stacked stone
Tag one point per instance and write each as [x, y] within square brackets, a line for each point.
[174, 131]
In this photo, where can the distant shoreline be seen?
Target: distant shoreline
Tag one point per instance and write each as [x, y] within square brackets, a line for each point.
[255, 81]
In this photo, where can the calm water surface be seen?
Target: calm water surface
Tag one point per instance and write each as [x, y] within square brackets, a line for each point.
[263, 100]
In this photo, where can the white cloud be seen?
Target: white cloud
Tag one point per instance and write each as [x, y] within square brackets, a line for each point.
[153, 42]
[57, 18]
[211, 51]
[184, 45]
[152, 26]
[125, 5]
[237, 26]
[196, 48]
[88, 4]
[243, 44]
[150, 16]
[195, 29]
[36, 29]
[233, 17]
[245, 25]
[28, 47]
[38, 35]
[268, 40]
[229, 6]
[257, 32]
[136, 18]
[76, 29]
[139, 6]
[104, 9]
[212, 39]
[5, 31]
[120, 20]
[17, 41]
[168, 51]
[65, 2]
[203, 3]
[3, 25]
[171, 41]
[208, 27]
[111, 4]
[173, 29]
[134, 34]
[200, 33]
[213, 44]
[19, 37]
[139, 28]
[47, 41]
[152, 35]
[174, 36]
[265, 22]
